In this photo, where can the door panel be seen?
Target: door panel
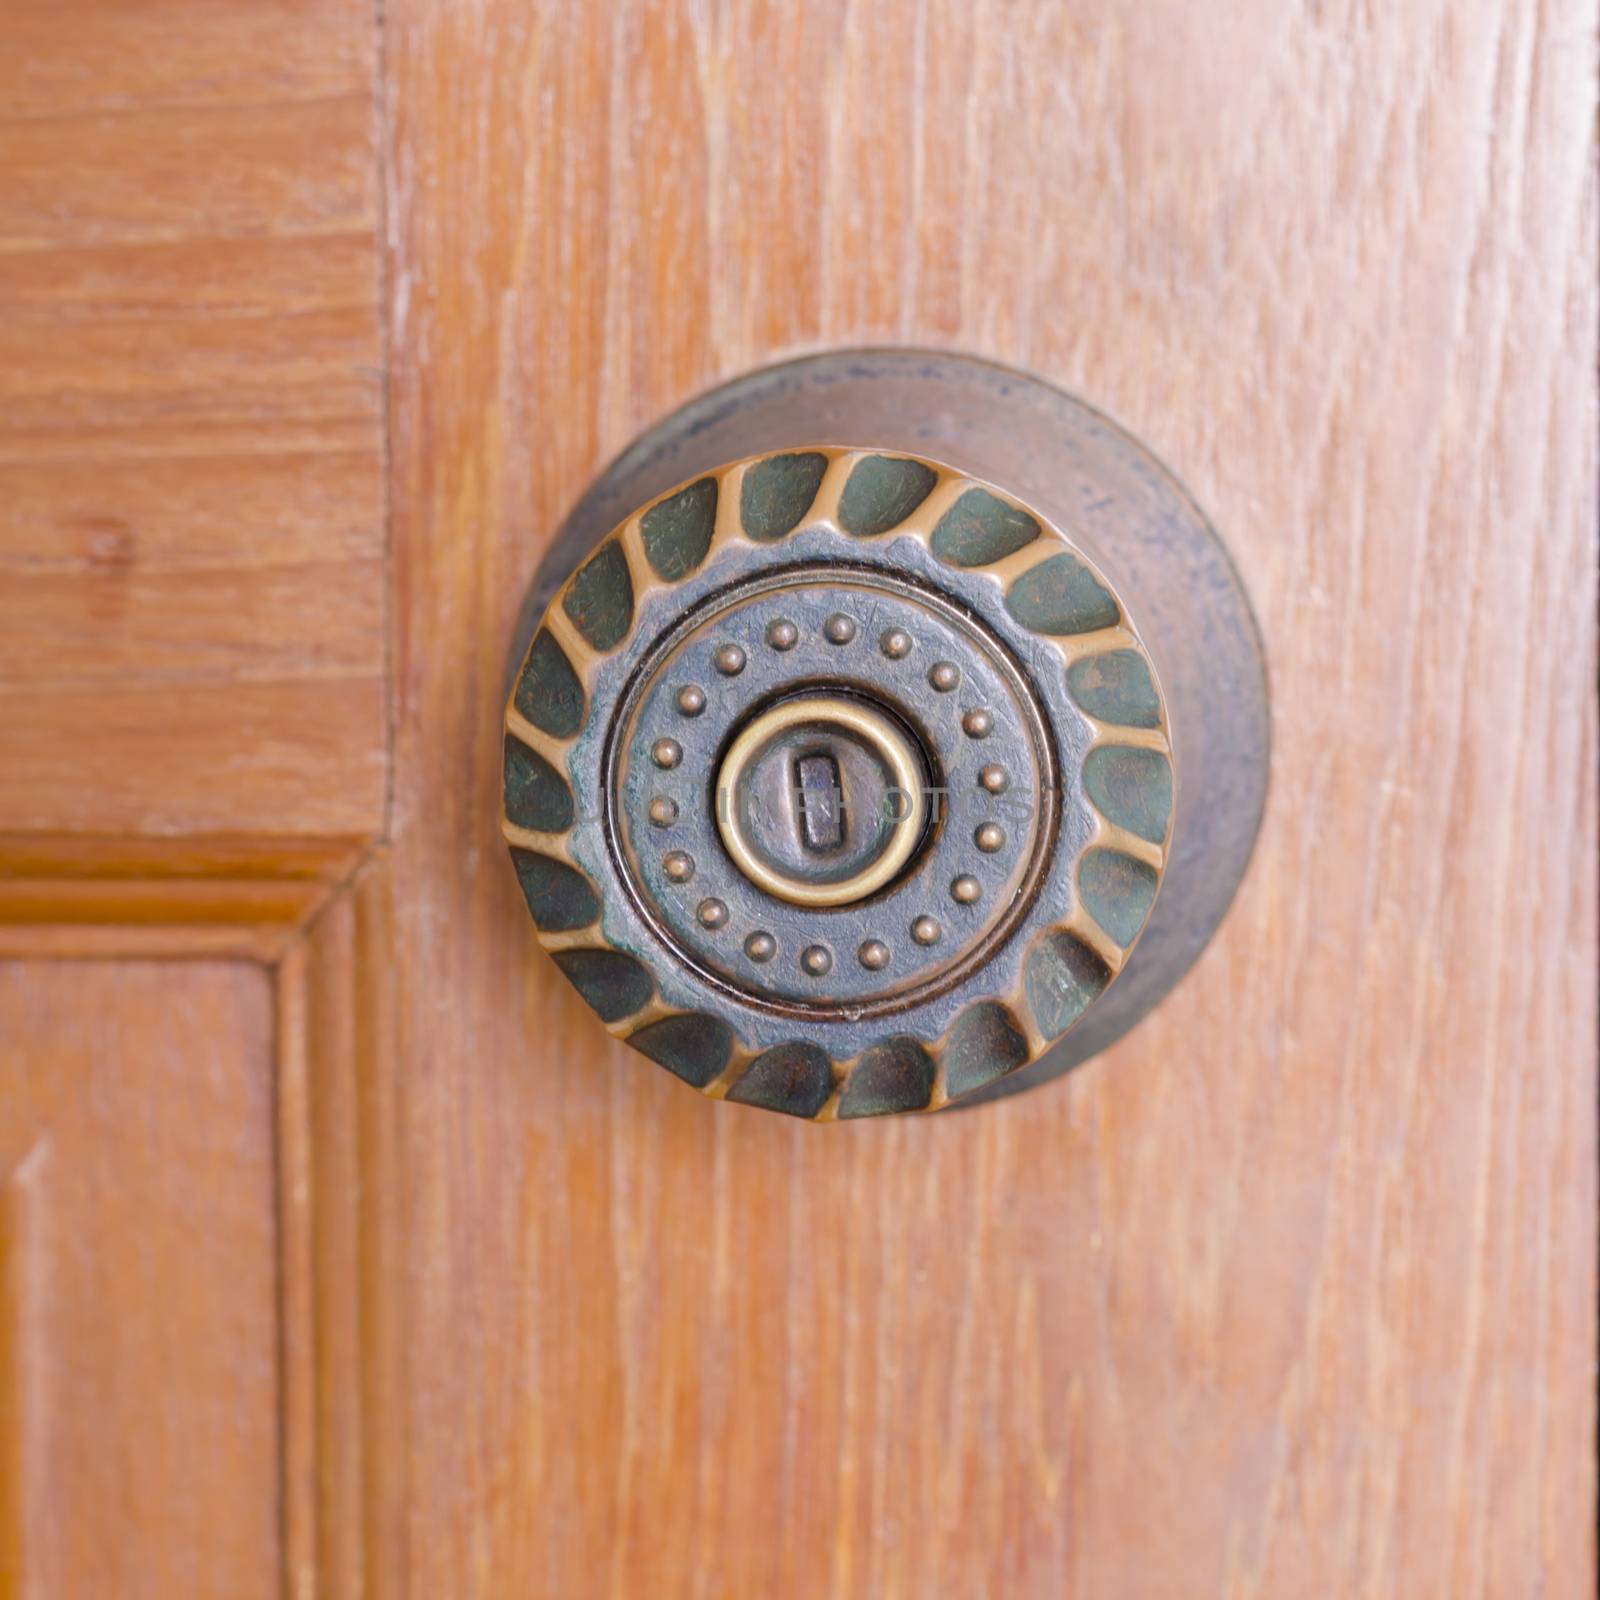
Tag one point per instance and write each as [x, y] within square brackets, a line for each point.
[191, 531]
[138, 1249]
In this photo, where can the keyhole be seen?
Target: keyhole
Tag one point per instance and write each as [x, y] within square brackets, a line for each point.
[816, 781]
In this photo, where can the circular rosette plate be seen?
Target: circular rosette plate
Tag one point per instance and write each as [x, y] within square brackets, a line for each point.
[839, 782]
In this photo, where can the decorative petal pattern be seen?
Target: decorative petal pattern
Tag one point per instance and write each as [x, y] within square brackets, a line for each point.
[677, 531]
[896, 1075]
[1062, 597]
[615, 985]
[599, 599]
[559, 897]
[1132, 788]
[778, 492]
[882, 492]
[537, 796]
[981, 528]
[548, 692]
[695, 1046]
[1116, 687]
[1104, 895]
[795, 1078]
[1118, 892]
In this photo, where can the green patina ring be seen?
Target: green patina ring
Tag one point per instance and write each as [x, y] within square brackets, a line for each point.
[985, 551]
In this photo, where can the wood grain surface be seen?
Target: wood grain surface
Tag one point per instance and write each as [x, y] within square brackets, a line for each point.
[345, 1517]
[84, 895]
[191, 391]
[1293, 1294]
[382, 1271]
[139, 1387]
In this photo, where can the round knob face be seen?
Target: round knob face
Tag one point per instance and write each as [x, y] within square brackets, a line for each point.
[838, 783]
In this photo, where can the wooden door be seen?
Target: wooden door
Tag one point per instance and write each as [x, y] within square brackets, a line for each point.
[340, 1252]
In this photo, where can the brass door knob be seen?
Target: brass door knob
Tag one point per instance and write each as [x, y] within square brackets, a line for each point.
[870, 704]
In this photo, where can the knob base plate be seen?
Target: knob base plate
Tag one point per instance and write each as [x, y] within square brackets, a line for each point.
[1128, 513]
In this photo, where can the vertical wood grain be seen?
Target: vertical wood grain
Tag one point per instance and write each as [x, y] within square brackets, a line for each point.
[1294, 1292]
[27, 1553]
[345, 1387]
[138, 1281]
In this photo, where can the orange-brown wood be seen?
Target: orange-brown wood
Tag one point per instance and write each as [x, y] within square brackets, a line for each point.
[191, 391]
[1294, 1292]
[345, 1386]
[138, 1282]
[392, 1275]
[88, 895]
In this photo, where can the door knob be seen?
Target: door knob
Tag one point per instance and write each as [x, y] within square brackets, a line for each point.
[891, 730]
